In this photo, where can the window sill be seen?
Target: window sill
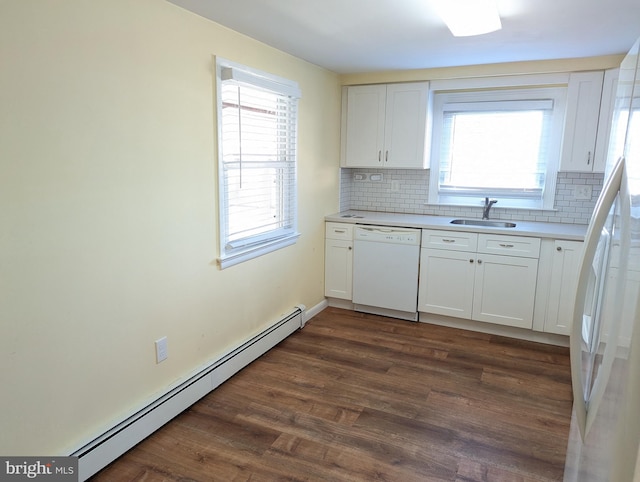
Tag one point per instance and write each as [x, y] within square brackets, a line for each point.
[231, 259]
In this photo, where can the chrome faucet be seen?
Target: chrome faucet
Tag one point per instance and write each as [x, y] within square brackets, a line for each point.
[487, 207]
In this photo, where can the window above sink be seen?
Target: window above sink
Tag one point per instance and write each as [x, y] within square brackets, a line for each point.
[496, 141]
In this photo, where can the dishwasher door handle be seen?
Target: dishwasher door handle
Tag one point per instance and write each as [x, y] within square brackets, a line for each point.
[381, 230]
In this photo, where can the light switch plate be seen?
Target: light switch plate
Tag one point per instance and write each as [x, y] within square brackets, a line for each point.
[161, 349]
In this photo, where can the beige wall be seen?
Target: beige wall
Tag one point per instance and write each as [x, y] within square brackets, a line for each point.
[108, 207]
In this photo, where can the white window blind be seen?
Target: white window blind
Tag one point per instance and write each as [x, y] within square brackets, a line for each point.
[497, 145]
[258, 150]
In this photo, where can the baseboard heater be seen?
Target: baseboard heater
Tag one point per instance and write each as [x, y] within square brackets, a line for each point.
[103, 450]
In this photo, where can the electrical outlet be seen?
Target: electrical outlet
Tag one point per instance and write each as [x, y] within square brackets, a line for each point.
[360, 177]
[395, 185]
[582, 192]
[161, 349]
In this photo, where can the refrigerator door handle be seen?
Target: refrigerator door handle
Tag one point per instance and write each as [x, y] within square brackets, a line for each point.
[585, 410]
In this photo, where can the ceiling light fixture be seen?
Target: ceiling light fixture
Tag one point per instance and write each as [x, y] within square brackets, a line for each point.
[469, 17]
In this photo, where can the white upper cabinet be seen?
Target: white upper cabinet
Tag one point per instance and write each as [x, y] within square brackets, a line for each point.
[581, 123]
[607, 105]
[363, 125]
[384, 126]
[587, 122]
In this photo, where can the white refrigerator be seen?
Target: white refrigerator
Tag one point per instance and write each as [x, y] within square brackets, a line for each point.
[605, 340]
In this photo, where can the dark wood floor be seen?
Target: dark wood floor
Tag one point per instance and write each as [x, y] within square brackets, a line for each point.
[356, 397]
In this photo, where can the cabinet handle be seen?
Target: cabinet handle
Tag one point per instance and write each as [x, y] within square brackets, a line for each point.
[379, 156]
[479, 261]
[471, 260]
[559, 248]
[350, 248]
[588, 158]
[505, 245]
[386, 156]
[448, 240]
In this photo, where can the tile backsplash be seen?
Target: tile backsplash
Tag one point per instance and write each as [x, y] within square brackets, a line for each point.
[412, 192]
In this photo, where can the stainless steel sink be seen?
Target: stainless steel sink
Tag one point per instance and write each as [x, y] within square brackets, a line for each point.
[484, 222]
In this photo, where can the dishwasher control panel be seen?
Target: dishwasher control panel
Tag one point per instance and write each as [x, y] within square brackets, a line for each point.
[388, 234]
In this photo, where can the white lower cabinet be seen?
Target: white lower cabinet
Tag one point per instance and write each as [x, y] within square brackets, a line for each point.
[466, 275]
[506, 280]
[504, 290]
[446, 282]
[564, 266]
[338, 261]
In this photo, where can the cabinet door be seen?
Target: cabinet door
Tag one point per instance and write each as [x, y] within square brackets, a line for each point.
[405, 126]
[505, 290]
[581, 122]
[338, 270]
[365, 123]
[562, 286]
[446, 282]
[605, 119]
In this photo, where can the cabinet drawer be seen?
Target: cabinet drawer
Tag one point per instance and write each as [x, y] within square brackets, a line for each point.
[453, 240]
[509, 245]
[339, 231]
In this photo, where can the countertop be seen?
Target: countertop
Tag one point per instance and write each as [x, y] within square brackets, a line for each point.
[573, 232]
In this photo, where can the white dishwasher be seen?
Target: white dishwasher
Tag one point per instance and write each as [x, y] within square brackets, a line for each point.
[385, 271]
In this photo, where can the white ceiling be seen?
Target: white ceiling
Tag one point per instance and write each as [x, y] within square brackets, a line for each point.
[349, 36]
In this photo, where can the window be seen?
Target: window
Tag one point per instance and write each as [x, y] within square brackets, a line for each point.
[500, 143]
[257, 136]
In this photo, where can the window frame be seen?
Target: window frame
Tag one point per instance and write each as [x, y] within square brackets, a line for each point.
[499, 89]
[237, 251]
